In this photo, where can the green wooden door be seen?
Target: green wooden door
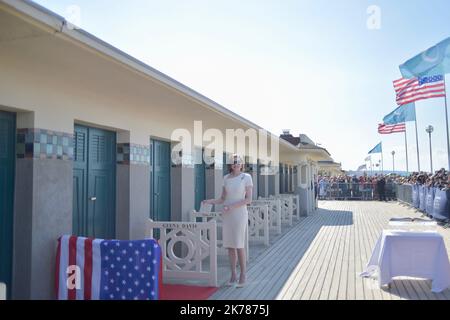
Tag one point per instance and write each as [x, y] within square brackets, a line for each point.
[160, 180]
[286, 178]
[200, 183]
[94, 183]
[271, 184]
[7, 159]
[290, 179]
[225, 165]
[259, 179]
[281, 178]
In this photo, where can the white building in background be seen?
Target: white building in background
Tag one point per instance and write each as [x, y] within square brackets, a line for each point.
[330, 168]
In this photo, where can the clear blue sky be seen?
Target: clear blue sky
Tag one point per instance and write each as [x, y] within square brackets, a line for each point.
[311, 66]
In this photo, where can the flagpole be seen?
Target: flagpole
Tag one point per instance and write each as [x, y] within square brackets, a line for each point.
[417, 143]
[406, 149]
[446, 123]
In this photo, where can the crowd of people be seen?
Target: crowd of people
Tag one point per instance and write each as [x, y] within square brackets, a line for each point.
[440, 179]
[378, 186]
[365, 187]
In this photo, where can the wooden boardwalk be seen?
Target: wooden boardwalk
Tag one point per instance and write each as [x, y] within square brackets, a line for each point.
[322, 256]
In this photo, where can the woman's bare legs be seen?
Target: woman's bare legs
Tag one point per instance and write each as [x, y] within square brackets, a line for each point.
[242, 264]
[233, 261]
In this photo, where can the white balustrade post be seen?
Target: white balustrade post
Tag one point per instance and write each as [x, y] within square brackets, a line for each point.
[213, 253]
[200, 240]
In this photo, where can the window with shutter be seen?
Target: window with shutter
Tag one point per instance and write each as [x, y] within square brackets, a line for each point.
[79, 147]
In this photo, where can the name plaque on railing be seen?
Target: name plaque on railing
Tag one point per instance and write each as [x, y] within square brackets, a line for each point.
[179, 225]
[210, 214]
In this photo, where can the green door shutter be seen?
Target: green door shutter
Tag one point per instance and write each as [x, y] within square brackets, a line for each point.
[160, 180]
[290, 179]
[281, 178]
[259, 179]
[225, 165]
[80, 162]
[286, 179]
[152, 193]
[7, 159]
[94, 183]
[200, 183]
[271, 185]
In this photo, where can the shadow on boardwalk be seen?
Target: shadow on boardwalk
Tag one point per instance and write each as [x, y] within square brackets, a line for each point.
[271, 268]
[322, 256]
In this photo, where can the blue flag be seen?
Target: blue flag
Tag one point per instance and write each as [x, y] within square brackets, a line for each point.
[404, 113]
[435, 60]
[378, 149]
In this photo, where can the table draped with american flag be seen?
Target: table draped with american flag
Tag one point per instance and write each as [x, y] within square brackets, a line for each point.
[97, 269]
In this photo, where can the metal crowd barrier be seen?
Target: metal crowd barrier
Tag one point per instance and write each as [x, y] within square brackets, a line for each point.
[405, 193]
[355, 191]
[431, 201]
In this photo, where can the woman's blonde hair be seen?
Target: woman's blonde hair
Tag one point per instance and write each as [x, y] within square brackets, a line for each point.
[235, 158]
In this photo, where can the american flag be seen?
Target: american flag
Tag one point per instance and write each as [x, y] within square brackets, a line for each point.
[415, 89]
[363, 167]
[97, 269]
[391, 128]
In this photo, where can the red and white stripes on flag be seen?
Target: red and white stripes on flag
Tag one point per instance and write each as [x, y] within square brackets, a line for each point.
[97, 269]
[415, 89]
[78, 251]
[391, 128]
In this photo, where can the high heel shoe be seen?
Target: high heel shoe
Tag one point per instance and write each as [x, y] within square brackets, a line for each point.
[230, 284]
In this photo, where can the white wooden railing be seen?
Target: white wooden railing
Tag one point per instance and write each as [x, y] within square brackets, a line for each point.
[258, 219]
[287, 208]
[217, 218]
[274, 207]
[200, 240]
[295, 204]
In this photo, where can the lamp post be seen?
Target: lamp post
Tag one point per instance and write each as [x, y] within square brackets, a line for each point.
[393, 161]
[429, 130]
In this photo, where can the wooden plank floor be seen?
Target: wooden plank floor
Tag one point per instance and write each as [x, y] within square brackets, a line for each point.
[322, 256]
